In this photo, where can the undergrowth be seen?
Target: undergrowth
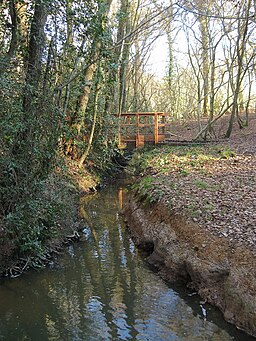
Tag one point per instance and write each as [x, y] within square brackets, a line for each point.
[43, 216]
[46, 217]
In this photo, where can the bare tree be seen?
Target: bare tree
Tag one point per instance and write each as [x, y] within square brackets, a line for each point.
[240, 48]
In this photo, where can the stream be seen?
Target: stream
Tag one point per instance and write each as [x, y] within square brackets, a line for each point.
[102, 289]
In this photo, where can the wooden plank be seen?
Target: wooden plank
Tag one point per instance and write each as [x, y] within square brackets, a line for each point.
[161, 138]
[140, 141]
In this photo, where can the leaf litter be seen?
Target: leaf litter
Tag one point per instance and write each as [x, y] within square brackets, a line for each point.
[217, 193]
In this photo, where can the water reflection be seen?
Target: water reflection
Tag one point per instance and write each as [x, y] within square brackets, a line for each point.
[100, 289]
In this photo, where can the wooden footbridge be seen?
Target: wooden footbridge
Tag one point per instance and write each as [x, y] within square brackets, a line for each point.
[142, 127]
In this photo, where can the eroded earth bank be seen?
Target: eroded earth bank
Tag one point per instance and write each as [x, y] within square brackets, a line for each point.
[181, 251]
[194, 209]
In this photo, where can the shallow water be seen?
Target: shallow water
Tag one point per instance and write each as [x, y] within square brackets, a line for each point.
[102, 289]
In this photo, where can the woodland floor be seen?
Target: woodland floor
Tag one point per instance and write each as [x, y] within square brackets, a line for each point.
[221, 196]
[196, 203]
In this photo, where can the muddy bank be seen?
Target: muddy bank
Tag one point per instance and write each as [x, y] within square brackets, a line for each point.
[183, 251]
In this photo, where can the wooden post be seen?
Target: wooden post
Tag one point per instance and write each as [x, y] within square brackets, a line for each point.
[137, 130]
[156, 128]
[120, 198]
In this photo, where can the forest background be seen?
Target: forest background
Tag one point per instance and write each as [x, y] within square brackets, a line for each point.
[69, 69]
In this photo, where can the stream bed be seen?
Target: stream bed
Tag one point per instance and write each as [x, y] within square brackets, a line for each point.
[102, 289]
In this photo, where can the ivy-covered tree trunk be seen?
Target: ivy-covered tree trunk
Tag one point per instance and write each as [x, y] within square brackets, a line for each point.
[89, 72]
[19, 31]
[86, 89]
[93, 126]
[35, 52]
[31, 149]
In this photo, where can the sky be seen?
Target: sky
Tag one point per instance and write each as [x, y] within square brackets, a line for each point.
[158, 60]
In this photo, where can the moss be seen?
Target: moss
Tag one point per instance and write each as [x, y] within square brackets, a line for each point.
[204, 185]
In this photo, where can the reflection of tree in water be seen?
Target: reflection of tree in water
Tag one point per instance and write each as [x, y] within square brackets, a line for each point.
[122, 300]
[27, 308]
[115, 278]
[100, 290]
[105, 276]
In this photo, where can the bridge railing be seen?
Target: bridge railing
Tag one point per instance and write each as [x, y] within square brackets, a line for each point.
[141, 127]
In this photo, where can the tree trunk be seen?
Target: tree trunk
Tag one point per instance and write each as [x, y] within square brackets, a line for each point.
[35, 52]
[136, 75]
[124, 57]
[88, 77]
[86, 90]
[205, 59]
[240, 50]
[14, 39]
[248, 102]
[95, 111]
[19, 28]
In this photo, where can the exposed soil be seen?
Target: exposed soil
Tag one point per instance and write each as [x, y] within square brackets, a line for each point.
[182, 251]
[203, 229]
